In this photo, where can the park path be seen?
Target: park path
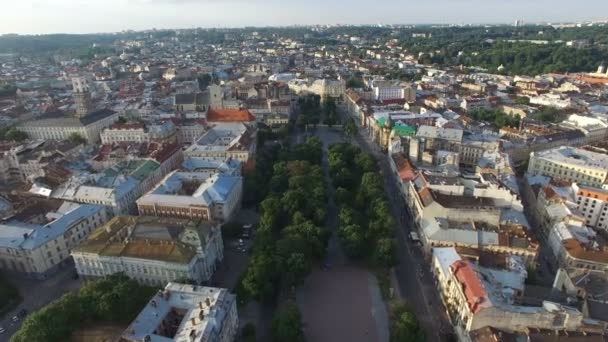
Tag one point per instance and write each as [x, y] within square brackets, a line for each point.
[344, 302]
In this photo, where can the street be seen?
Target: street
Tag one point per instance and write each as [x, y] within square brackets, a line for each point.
[36, 294]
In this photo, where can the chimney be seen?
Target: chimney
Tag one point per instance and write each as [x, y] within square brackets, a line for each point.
[193, 320]
[208, 302]
[200, 305]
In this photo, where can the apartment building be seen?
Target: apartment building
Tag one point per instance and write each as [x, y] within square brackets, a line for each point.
[476, 296]
[37, 240]
[571, 164]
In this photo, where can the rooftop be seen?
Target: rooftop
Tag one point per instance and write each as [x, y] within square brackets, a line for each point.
[575, 156]
[198, 313]
[191, 189]
[156, 238]
[229, 115]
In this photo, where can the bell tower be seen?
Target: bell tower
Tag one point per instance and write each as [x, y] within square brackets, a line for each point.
[82, 96]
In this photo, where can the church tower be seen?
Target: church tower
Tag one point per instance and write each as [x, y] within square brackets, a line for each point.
[82, 96]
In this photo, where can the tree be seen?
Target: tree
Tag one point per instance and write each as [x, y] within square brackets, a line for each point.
[405, 326]
[522, 100]
[350, 128]
[204, 81]
[77, 138]
[115, 298]
[15, 135]
[384, 252]
[260, 277]
[287, 325]
[354, 82]
[352, 239]
[297, 267]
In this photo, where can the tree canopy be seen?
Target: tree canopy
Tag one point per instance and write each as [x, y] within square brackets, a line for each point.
[115, 298]
[287, 325]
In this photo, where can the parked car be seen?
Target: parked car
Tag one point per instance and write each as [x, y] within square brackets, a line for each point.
[2, 330]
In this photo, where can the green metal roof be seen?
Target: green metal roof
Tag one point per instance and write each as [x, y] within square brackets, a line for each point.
[404, 131]
[381, 121]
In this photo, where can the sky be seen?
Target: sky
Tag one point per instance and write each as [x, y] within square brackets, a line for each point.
[87, 16]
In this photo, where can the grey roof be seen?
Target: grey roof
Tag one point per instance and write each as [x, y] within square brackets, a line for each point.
[96, 116]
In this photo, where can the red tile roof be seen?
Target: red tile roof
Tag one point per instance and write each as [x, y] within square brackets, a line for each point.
[477, 297]
[229, 115]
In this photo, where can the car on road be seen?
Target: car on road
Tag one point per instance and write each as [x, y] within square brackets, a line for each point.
[2, 330]
[15, 318]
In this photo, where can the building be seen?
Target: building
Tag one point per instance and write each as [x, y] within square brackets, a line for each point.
[190, 130]
[186, 313]
[387, 90]
[571, 164]
[476, 297]
[232, 140]
[482, 216]
[229, 116]
[593, 203]
[117, 188]
[595, 130]
[151, 250]
[578, 247]
[194, 195]
[56, 126]
[37, 240]
[164, 132]
[82, 96]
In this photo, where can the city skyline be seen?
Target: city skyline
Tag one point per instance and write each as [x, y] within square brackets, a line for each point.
[79, 16]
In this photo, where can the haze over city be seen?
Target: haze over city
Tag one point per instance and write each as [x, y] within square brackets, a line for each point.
[84, 16]
[304, 171]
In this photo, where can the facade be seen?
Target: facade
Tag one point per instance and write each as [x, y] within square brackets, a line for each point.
[189, 131]
[151, 250]
[476, 297]
[56, 126]
[38, 245]
[186, 313]
[593, 203]
[119, 133]
[194, 195]
[571, 164]
[82, 96]
[576, 247]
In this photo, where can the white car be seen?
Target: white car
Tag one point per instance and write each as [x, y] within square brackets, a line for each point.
[2, 330]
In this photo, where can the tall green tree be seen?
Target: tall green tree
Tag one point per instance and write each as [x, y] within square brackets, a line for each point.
[287, 325]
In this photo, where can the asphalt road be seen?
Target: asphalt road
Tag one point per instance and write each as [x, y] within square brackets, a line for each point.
[419, 291]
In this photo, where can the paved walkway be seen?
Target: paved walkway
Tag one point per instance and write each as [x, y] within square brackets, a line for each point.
[343, 303]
